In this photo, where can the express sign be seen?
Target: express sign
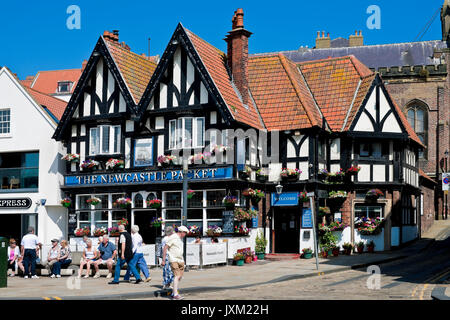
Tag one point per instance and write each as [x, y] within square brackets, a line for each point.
[19, 203]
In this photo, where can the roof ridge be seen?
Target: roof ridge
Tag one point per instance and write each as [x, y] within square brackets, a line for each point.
[284, 62]
[48, 95]
[323, 60]
[353, 60]
[129, 51]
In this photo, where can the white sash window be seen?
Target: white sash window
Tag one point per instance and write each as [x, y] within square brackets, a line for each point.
[105, 140]
[186, 133]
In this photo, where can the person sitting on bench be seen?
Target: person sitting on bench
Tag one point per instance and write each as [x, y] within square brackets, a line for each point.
[108, 253]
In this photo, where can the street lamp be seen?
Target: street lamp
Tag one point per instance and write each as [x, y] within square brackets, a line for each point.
[185, 199]
[279, 188]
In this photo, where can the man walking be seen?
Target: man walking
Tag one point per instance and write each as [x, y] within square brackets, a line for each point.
[29, 244]
[138, 255]
[125, 254]
[107, 254]
[174, 248]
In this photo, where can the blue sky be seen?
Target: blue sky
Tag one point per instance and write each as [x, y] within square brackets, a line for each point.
[34, 35]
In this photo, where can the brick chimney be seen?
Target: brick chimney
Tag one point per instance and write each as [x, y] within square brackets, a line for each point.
[356, 40]
[323, 42]
[83, 65]
[237, 50]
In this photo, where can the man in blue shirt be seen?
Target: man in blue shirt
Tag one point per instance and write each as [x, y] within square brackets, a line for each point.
[108, 253]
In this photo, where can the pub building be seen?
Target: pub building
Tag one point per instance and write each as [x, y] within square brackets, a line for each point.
[329, 114]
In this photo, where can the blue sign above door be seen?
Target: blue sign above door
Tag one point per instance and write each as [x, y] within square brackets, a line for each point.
[284, 199]
[307, 218]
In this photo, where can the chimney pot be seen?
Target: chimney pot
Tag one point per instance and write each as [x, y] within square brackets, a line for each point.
[328, 34]
[323, 34]
[318, 34]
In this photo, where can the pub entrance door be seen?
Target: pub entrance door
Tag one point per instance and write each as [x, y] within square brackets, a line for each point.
[142, 218]
[287, 229]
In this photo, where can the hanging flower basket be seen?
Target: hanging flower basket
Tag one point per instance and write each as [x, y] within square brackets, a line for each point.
[66, 202]
[113, 231]
[245, 174]
[154, 204]
[229, 202]
[322, 174]
[323, 211]
[167, 161]
[353, 171]
[114, 164]
[123, 203]
[71, 157]
[336, 177]
[156, 222]
[303, 196]
[123, 222]
[374, 194]
[88, 165]
[261, 175]
[190, 194]
[93, 201]
[98, 232]
[81, 232]
[290, 175]
[194, 231]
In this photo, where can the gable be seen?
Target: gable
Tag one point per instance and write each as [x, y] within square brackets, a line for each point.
[377, 114]
[101, 90]
[181, 84]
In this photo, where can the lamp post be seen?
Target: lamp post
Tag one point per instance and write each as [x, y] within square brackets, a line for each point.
[184, 213]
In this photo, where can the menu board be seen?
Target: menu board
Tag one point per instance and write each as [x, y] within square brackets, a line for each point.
[228, 221]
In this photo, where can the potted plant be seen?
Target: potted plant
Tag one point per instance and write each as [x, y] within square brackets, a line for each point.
[156, 222]
[337, 226]
[261, 175]
[303, 196]
[360, 246]
[66, 202]
[353, 171]
[93, 201]
[371, 246]
[337, 194]
[241, 214]
[374, 194]
[214, 231]
[71, 157]
[324, 251]
[194, 231]
[307, 253]
[260, 246]
[100, 231]
[123, 222]
[248, 256]
[255, 195]
[154, 204]
[239, 259]
[245, 174]
[88, 165]
[229, 202]
[348, 247]
[113, 231]
[81, 232]
[335, 251]
[190, 194]
[322, 174]
[328, 241]
[323, 211]
[166, 161]
[290, 175]
[114, 164]
[122, 203]
[242, 230]
[336, 177]
[254, 256]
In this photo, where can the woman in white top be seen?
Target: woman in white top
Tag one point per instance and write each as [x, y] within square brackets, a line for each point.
[89, 256]
[13, 256]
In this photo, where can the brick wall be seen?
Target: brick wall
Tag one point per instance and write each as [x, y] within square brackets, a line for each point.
[427, 217]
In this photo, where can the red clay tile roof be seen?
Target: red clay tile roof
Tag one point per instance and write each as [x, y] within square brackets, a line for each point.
[47, 81]
[136, 70]
[281, 94]
[333, 83]
[54, 105]
[213, 60]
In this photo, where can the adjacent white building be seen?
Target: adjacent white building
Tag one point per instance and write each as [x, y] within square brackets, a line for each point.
[30, 162]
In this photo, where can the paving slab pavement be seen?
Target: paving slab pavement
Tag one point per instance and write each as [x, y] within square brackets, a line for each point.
[209, 279]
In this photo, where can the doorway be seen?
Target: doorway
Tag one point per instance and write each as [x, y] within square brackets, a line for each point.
[11, 226]
[287, 230]
[143, 219]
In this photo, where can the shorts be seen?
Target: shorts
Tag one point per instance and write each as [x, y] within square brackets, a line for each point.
[104, 262]
[177, 268]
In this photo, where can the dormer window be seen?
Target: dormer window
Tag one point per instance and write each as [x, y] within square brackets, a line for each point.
[64, 86]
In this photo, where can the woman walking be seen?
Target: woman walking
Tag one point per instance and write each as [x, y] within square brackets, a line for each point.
[167, 271]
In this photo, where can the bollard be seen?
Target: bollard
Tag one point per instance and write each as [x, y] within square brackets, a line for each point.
[3, 262]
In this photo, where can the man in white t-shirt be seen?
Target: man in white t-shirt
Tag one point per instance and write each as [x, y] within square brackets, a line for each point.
[30, 243]
[174, 248]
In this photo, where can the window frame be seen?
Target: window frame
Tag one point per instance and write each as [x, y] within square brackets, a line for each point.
[423, 135]
[178, 137]
[8, 122]
[112, 141]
